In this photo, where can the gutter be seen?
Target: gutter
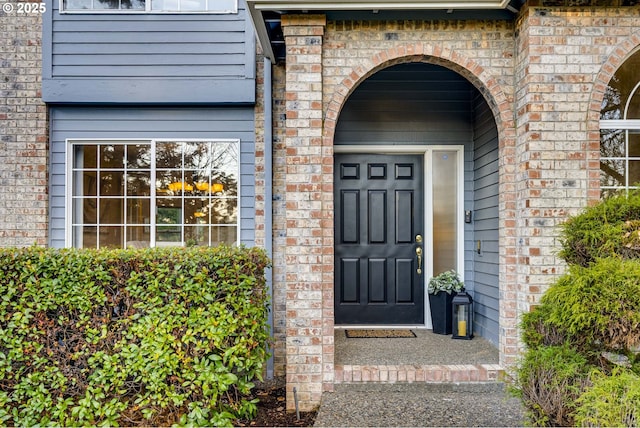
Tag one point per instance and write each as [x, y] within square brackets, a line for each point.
[268, 194]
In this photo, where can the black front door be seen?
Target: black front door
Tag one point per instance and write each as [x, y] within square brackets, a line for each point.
[378, 215]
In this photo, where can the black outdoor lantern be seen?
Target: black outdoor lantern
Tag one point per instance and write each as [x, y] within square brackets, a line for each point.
[462, 308]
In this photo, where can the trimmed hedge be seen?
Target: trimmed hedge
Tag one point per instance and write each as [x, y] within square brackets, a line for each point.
[131, 337]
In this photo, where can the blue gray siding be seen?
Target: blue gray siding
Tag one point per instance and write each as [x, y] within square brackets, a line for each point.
[148, 58]
[485, 160]
[148, 123]
[408, 104]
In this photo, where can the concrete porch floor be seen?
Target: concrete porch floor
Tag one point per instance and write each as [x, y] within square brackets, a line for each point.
[428, 357]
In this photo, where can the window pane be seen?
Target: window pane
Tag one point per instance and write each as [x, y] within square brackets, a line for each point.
[112, 156]
[110, 237]
[139, 183]
[444, 211]
[224, 211]
[85, 183]
[196, 210]
[132, 4]
[168, 234]
[612, 172]
[85, 157]
[197, 235]
[168, 155]
[77, 4]
[167, 214]
[193, 5]
[634, 143]
[85, 237]
[111, 211]
[620, 89]
[139, 155]
[111, 183]
[138, 237]
[612, 143]
[633, 111]
[85, 211]
[634, 173]
[138, 210]
[105, 4]
[224, 234]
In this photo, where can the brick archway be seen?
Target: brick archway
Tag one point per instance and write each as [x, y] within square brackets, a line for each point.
[501, 106]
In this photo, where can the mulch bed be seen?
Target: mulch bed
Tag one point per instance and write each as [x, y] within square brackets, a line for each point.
[272, 408]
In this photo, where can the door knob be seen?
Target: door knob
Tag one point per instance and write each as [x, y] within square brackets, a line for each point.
[419, 254]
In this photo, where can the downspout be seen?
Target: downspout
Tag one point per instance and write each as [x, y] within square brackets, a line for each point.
[268, 194]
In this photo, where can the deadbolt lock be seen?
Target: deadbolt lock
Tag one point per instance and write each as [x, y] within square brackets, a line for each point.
[419, 239]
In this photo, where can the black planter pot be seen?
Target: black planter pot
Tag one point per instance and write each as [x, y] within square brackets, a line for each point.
[440, 305]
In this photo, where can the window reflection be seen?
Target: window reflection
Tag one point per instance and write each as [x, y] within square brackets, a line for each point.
[193, 197]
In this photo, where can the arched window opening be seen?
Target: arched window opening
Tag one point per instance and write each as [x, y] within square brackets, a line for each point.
[620, 130]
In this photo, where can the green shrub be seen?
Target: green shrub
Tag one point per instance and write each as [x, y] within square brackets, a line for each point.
[124, 337]
[612, 401]
[597, 307]
[549, 380]
[537, 331]
[610, 228]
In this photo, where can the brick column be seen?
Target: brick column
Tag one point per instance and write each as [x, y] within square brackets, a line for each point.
[309, 326]
[557, 165]
[23, 131]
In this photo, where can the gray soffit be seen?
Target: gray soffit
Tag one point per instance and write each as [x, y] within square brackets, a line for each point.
[266, 14]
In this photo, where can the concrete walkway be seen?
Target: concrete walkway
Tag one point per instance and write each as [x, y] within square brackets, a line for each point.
[420, 405]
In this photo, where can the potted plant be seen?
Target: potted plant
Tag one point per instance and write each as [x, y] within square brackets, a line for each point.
[441, 290]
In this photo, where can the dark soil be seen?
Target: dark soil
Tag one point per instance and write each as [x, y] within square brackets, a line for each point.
[272, 408]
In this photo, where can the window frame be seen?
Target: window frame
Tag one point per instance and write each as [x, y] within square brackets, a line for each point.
[146, 11]
[69, 169]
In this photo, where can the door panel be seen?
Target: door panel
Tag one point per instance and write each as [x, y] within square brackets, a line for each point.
[378, 215]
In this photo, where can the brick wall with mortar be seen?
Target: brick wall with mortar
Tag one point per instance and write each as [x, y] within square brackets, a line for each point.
[544, 78]
[566, 58]
[23, 131]
[309, 213]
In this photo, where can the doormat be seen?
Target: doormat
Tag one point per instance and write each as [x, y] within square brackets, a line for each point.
[378, 334]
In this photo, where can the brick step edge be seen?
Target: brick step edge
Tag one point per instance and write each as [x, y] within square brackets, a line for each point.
[348, 373]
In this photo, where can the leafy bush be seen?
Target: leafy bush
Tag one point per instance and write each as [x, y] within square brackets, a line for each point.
[130, 337]
[613, 400]
[610, 228]
[550, 379]
[447, 281]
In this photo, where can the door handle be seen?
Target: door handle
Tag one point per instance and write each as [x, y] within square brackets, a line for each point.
[419, 254]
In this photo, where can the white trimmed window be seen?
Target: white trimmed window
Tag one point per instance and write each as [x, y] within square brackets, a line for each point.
[150, 6]
[620, 130]
[147, 193]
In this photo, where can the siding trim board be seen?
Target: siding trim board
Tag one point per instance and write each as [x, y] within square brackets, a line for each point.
[148, 91]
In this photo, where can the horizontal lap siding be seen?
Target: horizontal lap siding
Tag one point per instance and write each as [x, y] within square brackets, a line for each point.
[149, 123]
[148, 45]
[485, 222]
[408, 104]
